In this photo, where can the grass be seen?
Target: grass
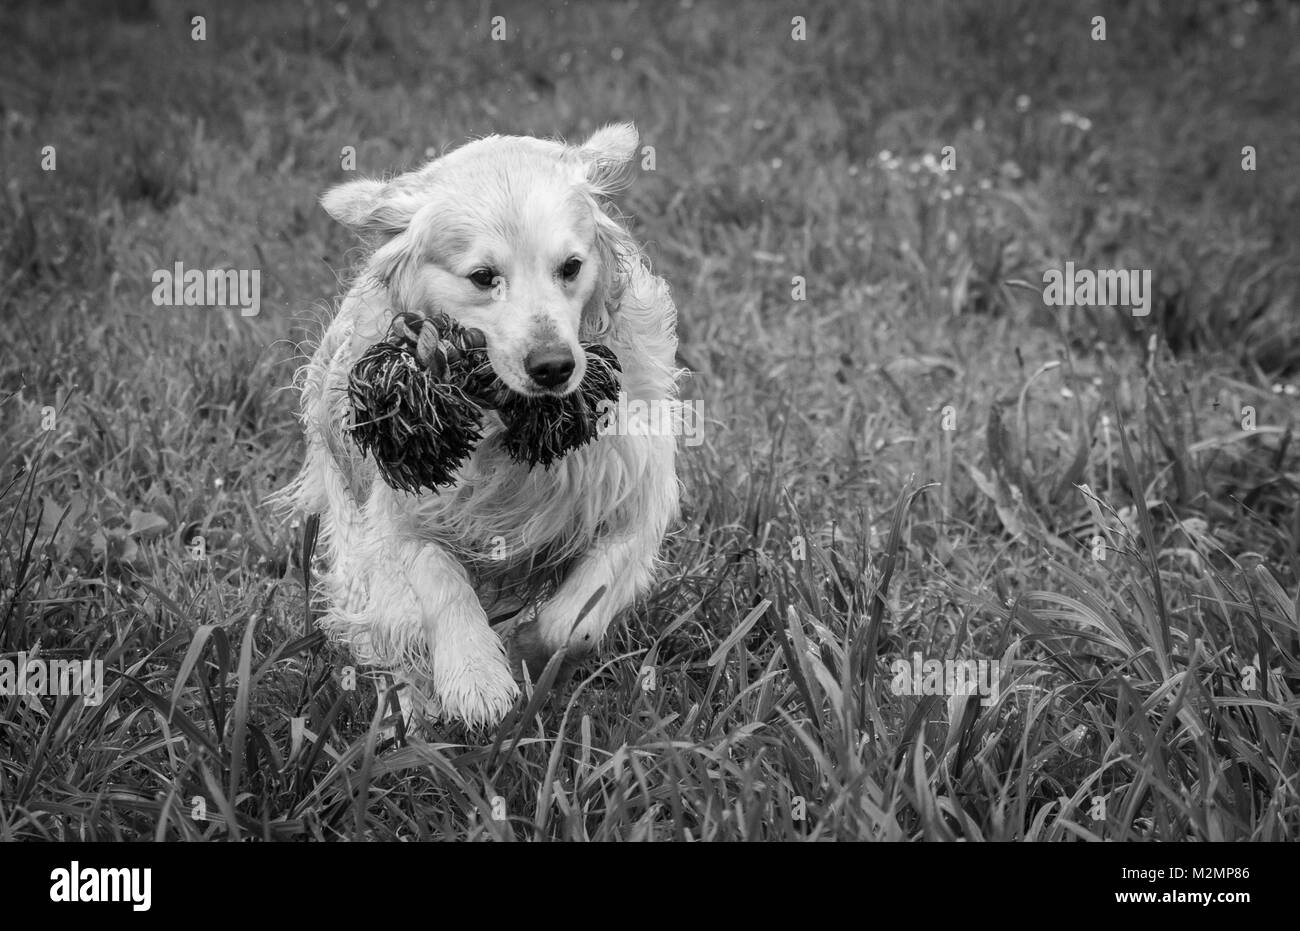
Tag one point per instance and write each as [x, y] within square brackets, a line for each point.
[1096, 520]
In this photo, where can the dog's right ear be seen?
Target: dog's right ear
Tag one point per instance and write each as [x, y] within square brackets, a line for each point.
[368, 206]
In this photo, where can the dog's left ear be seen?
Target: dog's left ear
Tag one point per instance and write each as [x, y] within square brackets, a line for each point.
[606, 156]
[602, 164]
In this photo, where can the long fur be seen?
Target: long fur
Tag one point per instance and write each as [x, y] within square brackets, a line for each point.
[412, 579]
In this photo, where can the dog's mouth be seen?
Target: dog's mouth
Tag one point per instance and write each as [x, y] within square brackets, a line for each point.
[418, 398]
[493, 388]
[498, 394]
[535, 393]
[541, 391]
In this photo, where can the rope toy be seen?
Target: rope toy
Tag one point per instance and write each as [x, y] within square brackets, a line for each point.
[419, 394]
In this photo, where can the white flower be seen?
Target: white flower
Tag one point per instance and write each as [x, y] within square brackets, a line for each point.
[1070, 118]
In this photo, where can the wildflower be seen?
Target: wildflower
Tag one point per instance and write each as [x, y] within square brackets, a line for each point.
[1070, 118]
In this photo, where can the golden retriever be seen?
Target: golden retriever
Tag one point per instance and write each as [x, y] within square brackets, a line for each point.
[509, 235]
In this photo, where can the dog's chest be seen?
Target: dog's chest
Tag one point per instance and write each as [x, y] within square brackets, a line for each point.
[504, 512]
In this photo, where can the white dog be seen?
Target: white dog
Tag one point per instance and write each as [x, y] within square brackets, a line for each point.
[509, 235]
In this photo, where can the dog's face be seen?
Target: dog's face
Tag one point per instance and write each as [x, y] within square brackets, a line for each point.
[507, 235]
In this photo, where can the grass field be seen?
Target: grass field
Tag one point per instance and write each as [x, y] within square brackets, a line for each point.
[892, 466]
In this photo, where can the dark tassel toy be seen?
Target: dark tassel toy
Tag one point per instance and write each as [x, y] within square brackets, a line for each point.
[542, 430]
[417, 399]
[409, 410]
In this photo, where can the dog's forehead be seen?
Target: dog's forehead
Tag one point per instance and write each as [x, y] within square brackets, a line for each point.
[506, 155]
[523, 190]
[541, 218]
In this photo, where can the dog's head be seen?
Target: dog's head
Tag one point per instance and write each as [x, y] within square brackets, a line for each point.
[506, 234]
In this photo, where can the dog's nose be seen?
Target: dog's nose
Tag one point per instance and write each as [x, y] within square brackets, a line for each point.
[549, 366]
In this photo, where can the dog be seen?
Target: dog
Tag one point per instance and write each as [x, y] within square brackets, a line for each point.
[514, 236]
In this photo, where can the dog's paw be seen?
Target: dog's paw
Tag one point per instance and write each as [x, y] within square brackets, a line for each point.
[529, 648]
[526, 649]
[478, 692]
[526, 646]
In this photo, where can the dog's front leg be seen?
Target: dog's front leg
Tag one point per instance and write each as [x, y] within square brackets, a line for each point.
[426, 623]
[621, 564]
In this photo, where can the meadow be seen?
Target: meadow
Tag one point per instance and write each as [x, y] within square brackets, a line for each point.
[906, 452]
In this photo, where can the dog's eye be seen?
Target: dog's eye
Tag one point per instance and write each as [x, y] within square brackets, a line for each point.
[569, 270]
[483, 278]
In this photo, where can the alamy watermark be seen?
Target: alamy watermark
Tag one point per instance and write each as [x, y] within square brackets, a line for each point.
[79, 883]
[212, 287]
[656, 417]
[1106, 287]
[37, 675]
[948, 677]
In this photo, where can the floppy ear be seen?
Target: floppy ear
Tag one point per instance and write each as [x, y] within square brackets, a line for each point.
[602, 164]
[368, 206]
[617, 252]
[607, 154]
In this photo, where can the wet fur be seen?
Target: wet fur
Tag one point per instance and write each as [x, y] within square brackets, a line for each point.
[412, 579]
